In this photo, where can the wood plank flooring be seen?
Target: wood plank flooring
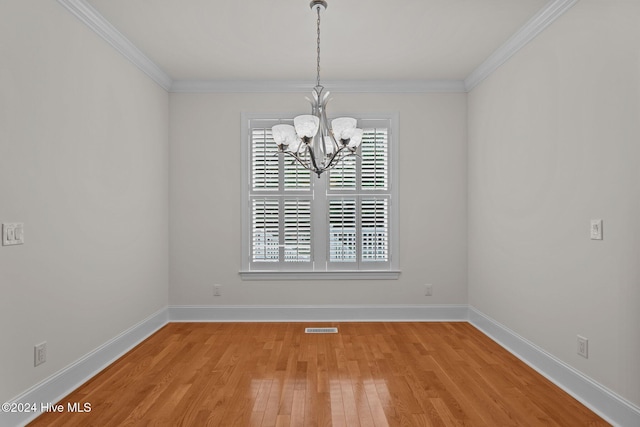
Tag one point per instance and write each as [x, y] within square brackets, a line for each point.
[272, 374]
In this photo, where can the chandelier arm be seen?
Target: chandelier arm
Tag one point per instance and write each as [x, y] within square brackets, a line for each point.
[334, 160]
[296, 158]
[341, 159]
[333, 157]
[313, 167]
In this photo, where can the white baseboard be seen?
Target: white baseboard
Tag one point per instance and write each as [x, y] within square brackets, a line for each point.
[63, 382]
[317, 313]
[613, 408]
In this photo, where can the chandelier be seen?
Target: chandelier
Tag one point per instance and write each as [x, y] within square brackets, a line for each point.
[310, 141]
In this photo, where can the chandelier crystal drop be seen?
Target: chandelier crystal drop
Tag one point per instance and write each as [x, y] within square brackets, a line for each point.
[311, 141]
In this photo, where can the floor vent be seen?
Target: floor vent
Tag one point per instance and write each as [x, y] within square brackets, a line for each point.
[320, 330]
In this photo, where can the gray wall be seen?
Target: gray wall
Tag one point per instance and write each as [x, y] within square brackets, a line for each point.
[83, 164]
[553, 143]
[205, 168]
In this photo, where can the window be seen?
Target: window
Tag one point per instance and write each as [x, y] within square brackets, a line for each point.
[341, 225]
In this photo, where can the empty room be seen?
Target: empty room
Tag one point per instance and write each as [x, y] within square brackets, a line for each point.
[320, 213]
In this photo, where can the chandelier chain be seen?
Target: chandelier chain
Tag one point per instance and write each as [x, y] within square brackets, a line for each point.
[318, 49]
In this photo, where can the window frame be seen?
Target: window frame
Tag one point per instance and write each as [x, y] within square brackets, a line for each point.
[326, 272]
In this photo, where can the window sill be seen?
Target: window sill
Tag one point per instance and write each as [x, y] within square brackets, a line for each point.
[320, 275]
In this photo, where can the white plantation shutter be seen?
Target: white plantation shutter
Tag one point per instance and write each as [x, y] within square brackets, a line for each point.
[296, 177]
[281, 230]
[265, 165]
[375, 159]
[297, 230]
[375, 229]
[265, 219]
[343, 175]
[359, 229]
[340, 222]
[279, 194]
[343, 230]
[372, 167]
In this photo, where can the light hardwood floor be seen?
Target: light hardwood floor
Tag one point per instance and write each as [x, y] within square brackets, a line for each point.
[272, 374]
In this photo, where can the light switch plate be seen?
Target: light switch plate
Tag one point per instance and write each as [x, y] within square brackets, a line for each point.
[596, 229]
[583, 347]
[12, 234]
[40, 354]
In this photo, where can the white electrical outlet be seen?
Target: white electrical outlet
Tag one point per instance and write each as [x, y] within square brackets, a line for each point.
[428, 290]
[40, 354]
[583, 347]
[596, 229]
[217, 291]
[12, 234]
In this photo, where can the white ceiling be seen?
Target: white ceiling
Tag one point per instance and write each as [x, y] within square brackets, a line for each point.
[275, 39]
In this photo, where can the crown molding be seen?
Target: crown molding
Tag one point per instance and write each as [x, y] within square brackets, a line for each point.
[541, 20]
[303, 86]
[94, 20]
